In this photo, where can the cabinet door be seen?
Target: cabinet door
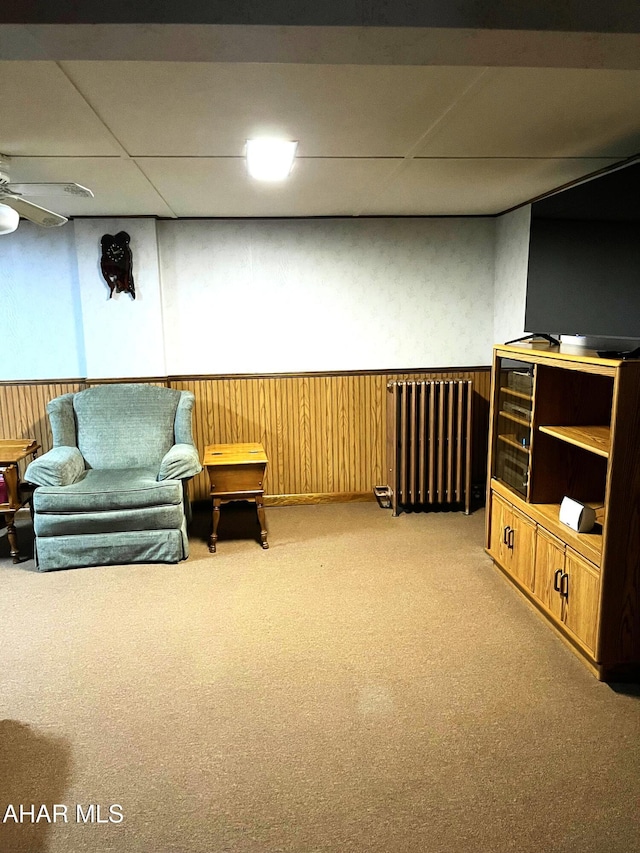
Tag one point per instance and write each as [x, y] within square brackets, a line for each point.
[512, 415]
[501, 523]
[522, 542]
[549, 566]
[581, 599]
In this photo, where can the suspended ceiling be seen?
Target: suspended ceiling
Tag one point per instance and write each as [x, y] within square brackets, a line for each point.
[390, 121]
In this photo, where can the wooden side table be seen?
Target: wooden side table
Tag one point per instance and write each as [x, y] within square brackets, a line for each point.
[12, 495]
[236, 473]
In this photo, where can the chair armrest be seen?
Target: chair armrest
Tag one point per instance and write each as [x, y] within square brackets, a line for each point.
[60, 466]
[181, 462]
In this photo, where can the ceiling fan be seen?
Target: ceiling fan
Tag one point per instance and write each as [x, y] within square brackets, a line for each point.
[13, 196]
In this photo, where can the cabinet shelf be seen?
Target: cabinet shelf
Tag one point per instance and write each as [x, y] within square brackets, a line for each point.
[595, 439]
[587, 544]
[520, 394]
[515, 418]
[512, 441]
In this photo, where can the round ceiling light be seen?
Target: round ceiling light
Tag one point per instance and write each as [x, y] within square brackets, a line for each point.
[9, 219]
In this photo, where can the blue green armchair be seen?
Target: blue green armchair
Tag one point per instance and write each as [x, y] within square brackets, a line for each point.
[113, 487]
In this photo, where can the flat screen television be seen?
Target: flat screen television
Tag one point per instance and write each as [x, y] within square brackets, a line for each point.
[584, 259]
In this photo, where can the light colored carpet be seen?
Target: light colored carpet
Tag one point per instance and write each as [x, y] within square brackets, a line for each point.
[368, 684]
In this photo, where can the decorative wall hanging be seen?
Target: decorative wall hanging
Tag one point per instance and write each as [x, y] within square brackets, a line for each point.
[116, 263]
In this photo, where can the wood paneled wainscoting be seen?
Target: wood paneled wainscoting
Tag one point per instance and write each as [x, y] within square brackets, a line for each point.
[23, 409]
[324, 434]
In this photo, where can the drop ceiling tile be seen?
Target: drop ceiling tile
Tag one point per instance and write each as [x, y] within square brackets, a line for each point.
[442, 187]
[42, 114]
[221, 187]
[210, 109]
[542, 112]
[119, 186]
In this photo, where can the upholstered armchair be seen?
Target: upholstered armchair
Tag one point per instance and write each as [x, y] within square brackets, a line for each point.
[113, 488]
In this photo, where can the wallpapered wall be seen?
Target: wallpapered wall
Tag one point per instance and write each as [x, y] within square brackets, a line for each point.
[259, 296]
[512, 257]
[340, 294]
[122, 337]
[40, 308]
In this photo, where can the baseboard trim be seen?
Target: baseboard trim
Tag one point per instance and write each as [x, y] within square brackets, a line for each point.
[318, 498]
[89, 381]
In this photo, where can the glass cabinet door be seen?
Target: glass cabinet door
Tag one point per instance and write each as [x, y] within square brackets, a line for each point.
[513, 413]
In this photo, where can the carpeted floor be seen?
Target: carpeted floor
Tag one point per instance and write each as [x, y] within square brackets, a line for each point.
[368, 684]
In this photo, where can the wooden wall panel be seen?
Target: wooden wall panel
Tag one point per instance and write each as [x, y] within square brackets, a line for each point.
[23, 409]
[324, 434]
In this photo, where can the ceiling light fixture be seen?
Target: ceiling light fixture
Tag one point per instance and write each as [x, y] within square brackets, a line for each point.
[9, 219]
[270, 159]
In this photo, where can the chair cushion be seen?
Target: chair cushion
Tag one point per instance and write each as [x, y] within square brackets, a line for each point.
[167, 517]
[111, 489]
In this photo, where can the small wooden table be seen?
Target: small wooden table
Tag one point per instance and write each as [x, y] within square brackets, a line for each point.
[12, 495]
[236, 473]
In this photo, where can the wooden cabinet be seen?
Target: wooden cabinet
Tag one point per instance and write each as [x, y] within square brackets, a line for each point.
[549, 566]
[565, 422]
[513, 541]
[580, 591]
[568, 587]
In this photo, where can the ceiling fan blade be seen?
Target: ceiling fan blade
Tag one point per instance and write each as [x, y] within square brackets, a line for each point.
[46, 189]
[34, 213]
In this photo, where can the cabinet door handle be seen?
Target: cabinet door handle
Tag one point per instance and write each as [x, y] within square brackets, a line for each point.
[505, 535]
[564, 585]
[556, 579]
[512, 534]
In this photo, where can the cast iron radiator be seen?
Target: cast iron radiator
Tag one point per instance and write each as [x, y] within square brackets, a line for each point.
[428, 445]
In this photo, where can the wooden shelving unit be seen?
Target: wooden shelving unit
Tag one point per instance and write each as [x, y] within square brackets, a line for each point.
[579, 439]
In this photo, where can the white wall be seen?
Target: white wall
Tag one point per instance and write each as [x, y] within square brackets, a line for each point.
[123, 336]
[244, 296]
[252, 296]
[511, 260]
[42, 334]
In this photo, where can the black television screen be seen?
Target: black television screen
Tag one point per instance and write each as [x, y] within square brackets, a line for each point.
[584, 278]
[584, 259]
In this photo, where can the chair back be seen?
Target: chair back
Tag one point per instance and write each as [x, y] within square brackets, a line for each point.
[125, 425]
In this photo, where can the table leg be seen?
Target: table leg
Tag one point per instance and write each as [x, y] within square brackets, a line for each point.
[214, 532]
[12, 536]
[263, 524]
